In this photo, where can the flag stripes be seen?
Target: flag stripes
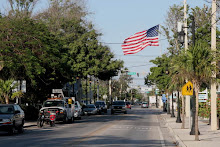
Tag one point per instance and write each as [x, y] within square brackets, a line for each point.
[140, 40]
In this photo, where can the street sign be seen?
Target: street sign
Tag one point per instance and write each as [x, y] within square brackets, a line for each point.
[57, 91]
[203, 96]
[187, 89]
[164, 98]
[132, 73]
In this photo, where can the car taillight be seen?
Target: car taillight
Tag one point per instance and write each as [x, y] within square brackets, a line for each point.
[7, 123]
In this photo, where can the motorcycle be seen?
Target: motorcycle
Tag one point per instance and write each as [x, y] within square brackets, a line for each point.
[48, 117]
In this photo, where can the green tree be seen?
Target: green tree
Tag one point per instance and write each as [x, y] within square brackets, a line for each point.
[159, 74]
[29, 51]
[196, 66]
[86, 55]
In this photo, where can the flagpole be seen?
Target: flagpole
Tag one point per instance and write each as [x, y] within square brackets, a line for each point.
[160, 44]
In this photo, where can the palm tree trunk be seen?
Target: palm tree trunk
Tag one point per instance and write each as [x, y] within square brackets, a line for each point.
[183, 112]
[6, 99]
[196, 115]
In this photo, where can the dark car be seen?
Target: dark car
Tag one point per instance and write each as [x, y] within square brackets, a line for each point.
[89, 109]
[101, 106]
[119, 106]
[11, 118]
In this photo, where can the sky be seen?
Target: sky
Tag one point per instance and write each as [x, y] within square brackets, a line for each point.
[119, 19]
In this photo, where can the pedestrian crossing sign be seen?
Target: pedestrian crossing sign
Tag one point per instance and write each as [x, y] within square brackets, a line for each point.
[187, 89]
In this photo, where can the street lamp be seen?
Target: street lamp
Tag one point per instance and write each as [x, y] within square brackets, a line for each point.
[168, 99]
[172, 114]
[90, 91]
[97, 89]
[178, 119]
[181, 37]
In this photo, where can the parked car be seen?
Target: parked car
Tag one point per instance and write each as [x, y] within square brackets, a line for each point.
[90, 109]
[119, 106]
[144, 105]
[101, 106]
[128, 105]
[11, 118]
[78, 110]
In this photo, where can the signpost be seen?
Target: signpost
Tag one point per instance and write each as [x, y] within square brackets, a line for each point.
[187, 89]
[203, 96]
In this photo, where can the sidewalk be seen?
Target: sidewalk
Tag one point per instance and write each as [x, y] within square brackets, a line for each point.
[208, 138]
[30, 123]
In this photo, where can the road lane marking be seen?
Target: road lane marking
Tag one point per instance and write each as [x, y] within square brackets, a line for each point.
[161, 137]
[91, 134]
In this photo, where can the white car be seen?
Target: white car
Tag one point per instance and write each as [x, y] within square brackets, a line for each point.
[78, 110]
[144, 105]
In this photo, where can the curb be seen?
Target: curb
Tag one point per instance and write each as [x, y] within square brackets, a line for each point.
[29, 126]
[179, 142]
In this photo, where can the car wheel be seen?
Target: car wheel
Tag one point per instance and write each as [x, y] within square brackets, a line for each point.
[52, 123]
[112, 112]
[125, 112]
[12, 130]
[65, 120]
[20, 129]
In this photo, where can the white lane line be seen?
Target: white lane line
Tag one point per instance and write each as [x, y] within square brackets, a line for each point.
[161, 137]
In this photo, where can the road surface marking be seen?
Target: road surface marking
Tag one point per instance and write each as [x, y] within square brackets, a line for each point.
[161, 137]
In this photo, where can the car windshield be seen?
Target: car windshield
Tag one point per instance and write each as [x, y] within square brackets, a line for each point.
[99, 103]
[118, 103]
[54, 103]
[6, 110]
[144, 102]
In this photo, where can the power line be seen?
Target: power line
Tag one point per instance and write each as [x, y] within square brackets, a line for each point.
[122, 43]
[139, 65]
[137, 55]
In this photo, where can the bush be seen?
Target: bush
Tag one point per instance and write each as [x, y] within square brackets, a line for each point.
[31, 112]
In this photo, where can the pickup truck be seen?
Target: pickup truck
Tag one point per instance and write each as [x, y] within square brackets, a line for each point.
[101, 106]
[78, 110]
[63, 107]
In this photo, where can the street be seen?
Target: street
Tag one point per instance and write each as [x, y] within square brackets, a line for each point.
[140, 127]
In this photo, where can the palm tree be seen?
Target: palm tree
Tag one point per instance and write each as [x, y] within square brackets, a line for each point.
[196, 65]
[176, 84]
[6, 88]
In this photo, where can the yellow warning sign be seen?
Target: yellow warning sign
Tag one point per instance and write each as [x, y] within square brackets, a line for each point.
[187, 89]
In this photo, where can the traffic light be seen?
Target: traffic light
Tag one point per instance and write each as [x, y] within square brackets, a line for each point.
[138, 74]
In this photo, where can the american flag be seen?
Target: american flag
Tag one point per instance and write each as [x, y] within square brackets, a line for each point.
[140, 40]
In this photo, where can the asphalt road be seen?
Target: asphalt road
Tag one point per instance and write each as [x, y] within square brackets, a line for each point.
[140, 127]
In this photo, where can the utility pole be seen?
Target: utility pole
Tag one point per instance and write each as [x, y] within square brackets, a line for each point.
[213, 85]
[110, 91]
[97, 89]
